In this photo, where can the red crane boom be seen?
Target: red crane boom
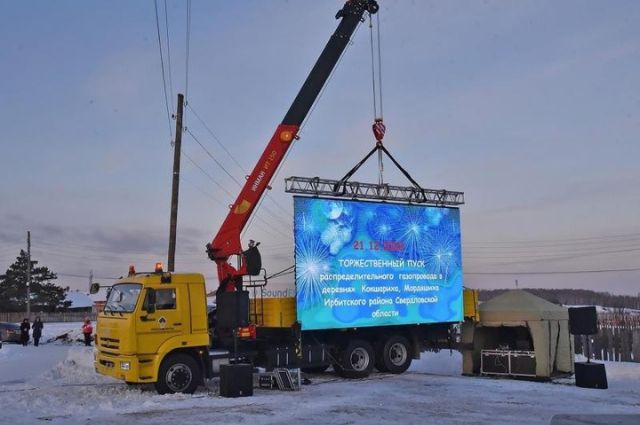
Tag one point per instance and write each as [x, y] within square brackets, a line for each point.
[226, 243]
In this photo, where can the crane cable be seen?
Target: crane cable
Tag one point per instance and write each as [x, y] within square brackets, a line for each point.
[376, 71]
[376, 67]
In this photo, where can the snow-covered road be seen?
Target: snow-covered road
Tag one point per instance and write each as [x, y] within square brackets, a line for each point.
[56, 383]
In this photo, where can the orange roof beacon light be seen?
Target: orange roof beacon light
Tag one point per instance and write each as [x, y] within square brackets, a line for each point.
[158, 267]
[132, 270]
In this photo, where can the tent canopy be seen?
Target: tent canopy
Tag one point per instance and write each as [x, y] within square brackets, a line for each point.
[520, 306]
[547, 324]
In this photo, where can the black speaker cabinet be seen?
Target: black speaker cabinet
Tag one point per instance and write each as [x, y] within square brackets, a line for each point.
[591, 375]
[232, 309]
[523, 364]
[495, 362]
[236, 380]
[583, 321]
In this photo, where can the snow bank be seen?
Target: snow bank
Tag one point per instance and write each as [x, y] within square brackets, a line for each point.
[57, 383]
[63, 333]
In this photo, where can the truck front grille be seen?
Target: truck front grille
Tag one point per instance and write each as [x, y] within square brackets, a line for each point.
[111, 343]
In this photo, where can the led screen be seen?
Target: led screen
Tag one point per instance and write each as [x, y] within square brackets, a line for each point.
[372, 264]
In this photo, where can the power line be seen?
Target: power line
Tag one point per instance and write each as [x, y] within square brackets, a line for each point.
[555, 272]
[212, 157]
[228, 193]
[213, 135]
[186, 60]
[164, 80]
[555, 241]
[207, 174]
[85, 276]
[216, 138]
[571, 254]
[273, 214]
[280, 219]
[166, 24]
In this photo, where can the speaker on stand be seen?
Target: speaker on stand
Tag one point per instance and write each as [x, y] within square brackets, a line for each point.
[584, 321]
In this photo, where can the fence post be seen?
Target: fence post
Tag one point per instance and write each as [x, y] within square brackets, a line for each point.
[635, 345]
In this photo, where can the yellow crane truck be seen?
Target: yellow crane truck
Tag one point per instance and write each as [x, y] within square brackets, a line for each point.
[361, 302]
[155, 328]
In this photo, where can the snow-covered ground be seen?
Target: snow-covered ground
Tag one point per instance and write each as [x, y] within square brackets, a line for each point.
[56, 383]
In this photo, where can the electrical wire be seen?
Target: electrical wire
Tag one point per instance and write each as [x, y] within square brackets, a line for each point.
[85, 276]
[288, 270]
[273, 214]
[556, 241]
[164, 80]
[213, 135]
[186, 60]
[212, 157]
[207, 174]
[270, 226]
[204, 124]
[555, 272]
[166, 25]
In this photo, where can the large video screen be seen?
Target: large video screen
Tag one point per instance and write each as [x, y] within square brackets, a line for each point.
[372, 264]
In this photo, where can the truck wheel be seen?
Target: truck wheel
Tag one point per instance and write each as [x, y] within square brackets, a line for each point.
[356, 360]
[379, 352]
[179, 373]
[394, 355]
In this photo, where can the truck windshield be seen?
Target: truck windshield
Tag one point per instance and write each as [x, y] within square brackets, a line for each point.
[123, 297]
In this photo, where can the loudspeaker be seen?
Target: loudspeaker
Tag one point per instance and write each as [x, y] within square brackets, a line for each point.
[236, 380]
[583, 321]
[232, 309]
[591, 375]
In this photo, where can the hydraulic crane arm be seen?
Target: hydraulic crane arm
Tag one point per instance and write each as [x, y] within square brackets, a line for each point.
[227, 241]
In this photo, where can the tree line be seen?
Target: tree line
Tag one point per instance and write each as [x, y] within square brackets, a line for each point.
[45, 295]
[574, 297]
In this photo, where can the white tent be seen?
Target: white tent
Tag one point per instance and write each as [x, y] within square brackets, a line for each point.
[531, 323]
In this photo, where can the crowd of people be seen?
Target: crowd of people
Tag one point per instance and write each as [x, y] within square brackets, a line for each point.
[37, 326]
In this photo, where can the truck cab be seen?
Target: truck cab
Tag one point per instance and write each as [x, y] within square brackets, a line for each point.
[154, 330]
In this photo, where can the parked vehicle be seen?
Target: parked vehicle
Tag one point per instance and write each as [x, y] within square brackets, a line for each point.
[9, 332]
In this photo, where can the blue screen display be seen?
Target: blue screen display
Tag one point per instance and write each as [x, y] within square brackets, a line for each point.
[372, 264]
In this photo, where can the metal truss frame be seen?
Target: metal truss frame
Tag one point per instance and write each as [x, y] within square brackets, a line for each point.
[383, 192]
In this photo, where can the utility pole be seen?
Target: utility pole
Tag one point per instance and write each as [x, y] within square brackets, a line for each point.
[175, 186]
[28, 274]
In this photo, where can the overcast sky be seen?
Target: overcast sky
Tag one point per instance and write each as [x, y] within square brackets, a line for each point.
[532, 108]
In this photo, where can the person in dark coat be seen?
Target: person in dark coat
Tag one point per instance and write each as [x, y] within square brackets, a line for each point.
[24, 331]
[37, 330]
[87, 330]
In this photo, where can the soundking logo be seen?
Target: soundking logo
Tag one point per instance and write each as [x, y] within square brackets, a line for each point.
[282, 293]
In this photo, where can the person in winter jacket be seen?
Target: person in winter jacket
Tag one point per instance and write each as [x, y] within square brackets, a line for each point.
[87, 330]
[24, 331]
[37, 330]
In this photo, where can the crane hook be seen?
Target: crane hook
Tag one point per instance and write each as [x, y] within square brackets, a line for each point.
[379, 129]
